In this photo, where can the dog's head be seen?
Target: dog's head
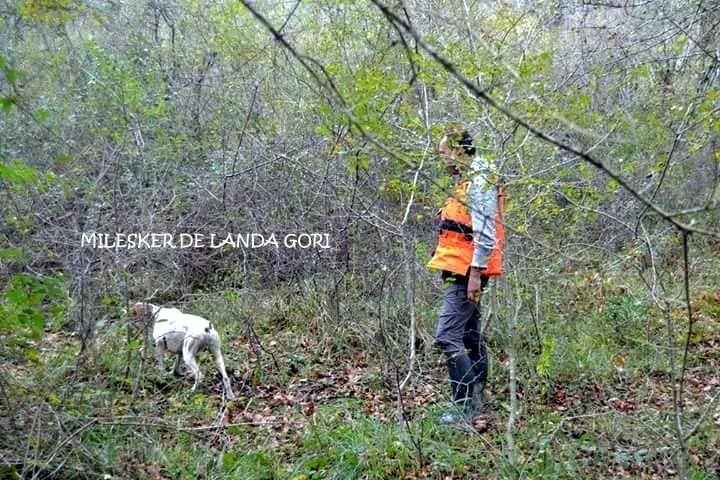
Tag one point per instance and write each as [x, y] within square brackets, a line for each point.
[142, 311]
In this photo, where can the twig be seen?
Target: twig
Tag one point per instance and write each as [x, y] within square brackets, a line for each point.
[682, 438]
[511, 453]
[686, 268]
[541, 135]
[69, 438]
[167, 426]
[402, 416]
[240, 140]
[407, 249]
[536, 318]
[710, 406]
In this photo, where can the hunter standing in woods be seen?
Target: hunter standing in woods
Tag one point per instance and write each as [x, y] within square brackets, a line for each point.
[468, 253]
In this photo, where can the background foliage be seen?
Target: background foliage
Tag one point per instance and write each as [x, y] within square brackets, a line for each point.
[189, 116]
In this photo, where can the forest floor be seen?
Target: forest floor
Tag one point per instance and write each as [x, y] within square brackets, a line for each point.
[315, 404]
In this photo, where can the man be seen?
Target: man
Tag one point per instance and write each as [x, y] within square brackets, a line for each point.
[468, 252]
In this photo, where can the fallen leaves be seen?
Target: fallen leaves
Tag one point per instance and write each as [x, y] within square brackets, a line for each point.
[484, 422]
[624, 406]
[310, 410]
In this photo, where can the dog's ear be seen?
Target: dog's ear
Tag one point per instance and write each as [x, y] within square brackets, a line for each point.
[139, 309]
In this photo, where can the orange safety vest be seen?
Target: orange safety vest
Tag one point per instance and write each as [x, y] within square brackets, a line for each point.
[455, 247]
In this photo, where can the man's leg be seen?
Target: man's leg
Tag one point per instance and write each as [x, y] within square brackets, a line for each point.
[475, 345]
[460, 369]
[477, 351]
[455, 313]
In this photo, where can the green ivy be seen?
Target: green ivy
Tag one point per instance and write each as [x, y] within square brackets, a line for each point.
[27, 304]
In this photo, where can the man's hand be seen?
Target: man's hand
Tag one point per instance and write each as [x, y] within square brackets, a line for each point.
[474, 289]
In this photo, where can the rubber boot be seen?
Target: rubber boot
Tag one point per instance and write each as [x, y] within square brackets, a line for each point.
[478, 356]
[461, 371]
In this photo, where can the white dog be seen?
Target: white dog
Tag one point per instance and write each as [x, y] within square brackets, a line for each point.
[184, 335]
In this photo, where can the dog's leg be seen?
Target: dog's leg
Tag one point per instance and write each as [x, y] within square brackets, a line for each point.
[189, 350]
[220, 364]
[160, 353]
[178, 362]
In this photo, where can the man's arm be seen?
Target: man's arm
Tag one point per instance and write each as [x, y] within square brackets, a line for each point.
[482, 201]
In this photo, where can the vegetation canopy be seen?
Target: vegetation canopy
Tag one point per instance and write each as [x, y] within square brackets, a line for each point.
[315, 124]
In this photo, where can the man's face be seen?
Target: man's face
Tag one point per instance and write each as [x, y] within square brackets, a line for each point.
[449, 156]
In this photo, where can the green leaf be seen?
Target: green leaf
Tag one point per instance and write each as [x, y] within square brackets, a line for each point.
[23, 306]
[13, 254]
[18, 173]
[542, 366]
[17, 297]
[6, 319]
[109, 300]
[41, 115]
[8, 102]
[32, 354]
[63, 159]
[612, 186]
[229, 460]
[11, 74]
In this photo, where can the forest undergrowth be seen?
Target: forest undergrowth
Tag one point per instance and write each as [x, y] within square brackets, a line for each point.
[318, 396]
